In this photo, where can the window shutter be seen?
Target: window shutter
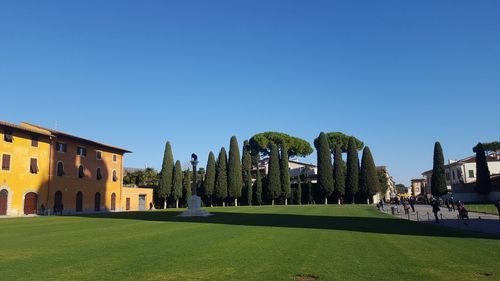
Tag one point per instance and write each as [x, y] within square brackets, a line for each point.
[6, 162]
[115, 178]
[99, 176]
[80, 172]
[33, 166]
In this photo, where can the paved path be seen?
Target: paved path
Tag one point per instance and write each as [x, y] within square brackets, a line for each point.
[477, 221]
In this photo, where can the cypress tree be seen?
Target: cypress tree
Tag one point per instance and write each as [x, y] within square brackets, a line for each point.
[325, 169]
[299, 192]
[186, 186]
[286, 188]
[177, 183]
[166, 174]
[352, 170]
[310, 193]
[274, 182]
[438, 180]
[220, 189]
[338, 173]
[246, 162]
[258, 188]
[368, 178]
[234, 172]
[209, 183]
[483, 181]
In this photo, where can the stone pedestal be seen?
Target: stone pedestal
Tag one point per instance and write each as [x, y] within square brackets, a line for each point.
[194, 208]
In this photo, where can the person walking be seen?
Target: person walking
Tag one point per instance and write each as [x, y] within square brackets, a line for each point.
[497, 204]
[412, 204]
[435, 209]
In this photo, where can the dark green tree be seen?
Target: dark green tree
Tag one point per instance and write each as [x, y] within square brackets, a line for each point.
[258, 188]
[295, 146]
[186, 186]
[438, 180]
[382, 181]
[298, 191]
[234, 172]
[209, 183]
[368, 179]
[274, 181]
[325, 169]
[483, 181]
[286, 187]
[352, 170]
[166, 174]
[177, 183]
[338, 173]
[246, 162]
[341, 140]
[220, 190]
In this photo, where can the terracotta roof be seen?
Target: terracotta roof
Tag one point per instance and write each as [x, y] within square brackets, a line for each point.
[67, 135]
[21, 128]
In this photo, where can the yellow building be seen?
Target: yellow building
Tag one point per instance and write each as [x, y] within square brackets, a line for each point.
[24, 176]
[48, 171]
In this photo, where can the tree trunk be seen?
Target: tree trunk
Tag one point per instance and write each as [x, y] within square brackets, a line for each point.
[326, 201]
[286, 201]
[223, 204]
[165, 204]
[338, 201]
[236, 202]
[353, 201]
[177, 203]
[211, 202]
[367, 201]
[272, 202]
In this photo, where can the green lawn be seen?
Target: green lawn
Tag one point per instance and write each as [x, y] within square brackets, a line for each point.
[244, 243]
[482, 208]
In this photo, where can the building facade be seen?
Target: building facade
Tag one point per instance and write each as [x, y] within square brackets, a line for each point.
[48, 171]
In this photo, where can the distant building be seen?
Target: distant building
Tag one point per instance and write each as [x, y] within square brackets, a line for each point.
[296, 168]
[418, 187]
[391, 185]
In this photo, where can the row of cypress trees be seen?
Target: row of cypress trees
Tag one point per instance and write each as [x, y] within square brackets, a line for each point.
[361, 182]
[173, 182]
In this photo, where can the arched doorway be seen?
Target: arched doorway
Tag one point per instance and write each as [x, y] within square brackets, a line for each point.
[113, 201]
[97, 202]
[4, 196]
[79, 201]
[30, 203]
[58, 202]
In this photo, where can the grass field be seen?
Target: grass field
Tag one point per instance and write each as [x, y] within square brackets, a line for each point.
[244, 243]
[482, 208]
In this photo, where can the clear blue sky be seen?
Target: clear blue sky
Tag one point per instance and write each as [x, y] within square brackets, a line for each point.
[399, 75]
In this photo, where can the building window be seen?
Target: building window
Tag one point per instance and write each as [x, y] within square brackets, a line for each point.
[81, 173]
[98, 174]
[34, 166]
[447, 176]
[98, 155]
[82, 151]
[115, 158]
[34, 141]
[6, 162]
[115, 176]
[60, 169]
[471, 173]
[453, 174]
[7, 136]
[61, 147]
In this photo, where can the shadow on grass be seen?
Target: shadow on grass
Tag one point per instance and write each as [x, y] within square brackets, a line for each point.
[382, 225]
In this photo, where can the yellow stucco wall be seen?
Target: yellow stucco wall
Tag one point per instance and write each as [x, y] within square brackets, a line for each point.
[18, 180]
[133, 195]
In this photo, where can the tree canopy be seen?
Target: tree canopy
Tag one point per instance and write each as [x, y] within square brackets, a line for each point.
[341, 140]
[483, 183]
[489, 146]
[295, 146]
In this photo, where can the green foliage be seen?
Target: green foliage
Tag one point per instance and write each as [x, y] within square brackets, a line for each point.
[166, 173]
[296, 146]
[234, 178]
[147, 177]
[186, 186]
[368, 178]
[209, 183]
[338, 139]
[220, 190]
[338, 172]
[325, 169]
[382, 181]
[438, 180]
[352, 170]
[285, 174]
[298, 194]
[489, 146]
[258, 188]
[246, 162]
[177, 182]
[274, 181]
[483, 182]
